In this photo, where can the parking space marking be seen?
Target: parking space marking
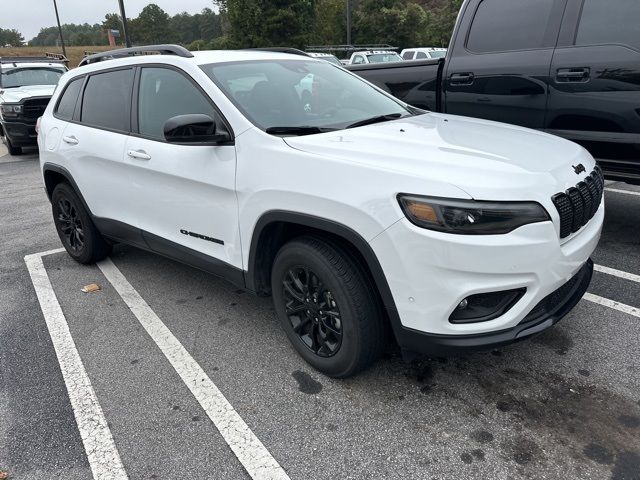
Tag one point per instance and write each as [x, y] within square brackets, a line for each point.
[249, 450]
[617, 273]
[101, 450]
[618, 190]
[621, 307]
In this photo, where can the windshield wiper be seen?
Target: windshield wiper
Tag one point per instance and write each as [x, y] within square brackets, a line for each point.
[304, 130]
[376, 119]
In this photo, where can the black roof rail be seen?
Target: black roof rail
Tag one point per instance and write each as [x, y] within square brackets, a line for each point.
[350, 48]
[293, 51]
[23, 59]
[129, 52]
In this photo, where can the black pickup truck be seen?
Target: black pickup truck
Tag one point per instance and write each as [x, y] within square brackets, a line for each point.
[567, 67]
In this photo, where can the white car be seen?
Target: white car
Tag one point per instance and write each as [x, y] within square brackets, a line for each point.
[366, 220]
[374, 56]
[326, 57]
[423, 53]
[26, 85]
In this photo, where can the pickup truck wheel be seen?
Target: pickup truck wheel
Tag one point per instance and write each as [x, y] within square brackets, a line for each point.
[326, 307]
[77, 232]
[12, 150]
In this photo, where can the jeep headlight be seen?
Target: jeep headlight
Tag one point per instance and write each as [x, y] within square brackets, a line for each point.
[470, 217]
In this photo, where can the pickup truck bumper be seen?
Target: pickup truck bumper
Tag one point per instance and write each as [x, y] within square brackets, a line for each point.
[20, 134]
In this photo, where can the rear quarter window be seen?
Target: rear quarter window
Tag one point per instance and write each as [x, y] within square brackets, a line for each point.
[67, 103]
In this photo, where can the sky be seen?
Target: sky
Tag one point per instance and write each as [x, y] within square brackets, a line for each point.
[28, 16]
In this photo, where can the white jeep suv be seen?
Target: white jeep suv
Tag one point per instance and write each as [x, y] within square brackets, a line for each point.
[366, 219]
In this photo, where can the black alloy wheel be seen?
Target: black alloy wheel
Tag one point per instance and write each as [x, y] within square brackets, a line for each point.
[70, 225]
[327, 305]
[312, 311]
[74, 225]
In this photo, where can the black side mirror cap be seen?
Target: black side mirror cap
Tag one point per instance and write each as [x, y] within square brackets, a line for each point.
[193, 129]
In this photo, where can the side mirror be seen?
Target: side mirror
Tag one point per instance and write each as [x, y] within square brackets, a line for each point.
[193, 128]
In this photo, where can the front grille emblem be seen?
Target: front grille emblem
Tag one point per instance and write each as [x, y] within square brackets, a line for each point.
[579, 168]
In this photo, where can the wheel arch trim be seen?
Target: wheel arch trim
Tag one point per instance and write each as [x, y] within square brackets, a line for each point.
[337, 229]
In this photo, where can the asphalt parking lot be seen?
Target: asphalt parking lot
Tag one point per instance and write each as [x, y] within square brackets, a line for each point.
[172, 373]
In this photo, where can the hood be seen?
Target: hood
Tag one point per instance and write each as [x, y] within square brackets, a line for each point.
[488, 160]
[17, 94]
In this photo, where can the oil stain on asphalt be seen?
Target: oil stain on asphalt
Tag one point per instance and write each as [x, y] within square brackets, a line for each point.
[306, 384]
[591, 422]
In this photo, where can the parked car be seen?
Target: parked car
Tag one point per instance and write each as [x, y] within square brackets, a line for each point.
[326, 56]
[26, 85]
[524, 62]
[423, 53]
[374, 56]
[364, 218]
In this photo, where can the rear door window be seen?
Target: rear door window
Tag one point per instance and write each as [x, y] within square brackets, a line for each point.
[604, 22]
[407, 55]
[67, 104]
[500, 26]
[106, 102]
[421, 55]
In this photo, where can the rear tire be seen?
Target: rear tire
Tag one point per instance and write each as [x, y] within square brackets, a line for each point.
[76, 230]
[327, 307]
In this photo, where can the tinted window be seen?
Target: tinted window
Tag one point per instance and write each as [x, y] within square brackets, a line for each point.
[358, 59]
[421, 55]
[500, 26]
[407, 55]
[609, 22]
[166, 93]
[107, 99]
[67, 103]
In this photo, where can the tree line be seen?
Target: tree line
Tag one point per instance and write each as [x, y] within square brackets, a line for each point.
[260, 23]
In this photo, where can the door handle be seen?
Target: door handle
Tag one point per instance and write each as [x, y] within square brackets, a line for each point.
[70, 140]
[461, 79]
[573, 74]
[139, 154]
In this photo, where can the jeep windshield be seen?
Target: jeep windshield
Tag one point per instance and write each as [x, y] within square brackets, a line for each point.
[301, 97]
[28, 76]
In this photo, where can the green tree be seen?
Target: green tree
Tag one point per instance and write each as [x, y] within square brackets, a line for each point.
[259, 23]
[331, 22]
[441, 23]
[152, 26]
[11, 37]
[398, 22]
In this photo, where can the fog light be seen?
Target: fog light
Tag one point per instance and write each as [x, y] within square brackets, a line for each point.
[483, 307]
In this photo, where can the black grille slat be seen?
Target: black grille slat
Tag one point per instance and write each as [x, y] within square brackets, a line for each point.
[579, 204]
[587, 200]
[35, 108]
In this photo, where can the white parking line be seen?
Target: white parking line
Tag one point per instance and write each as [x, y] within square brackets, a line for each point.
[101, 450]
[618, 190]
[621, 307]
[253, 455]
[617, 273]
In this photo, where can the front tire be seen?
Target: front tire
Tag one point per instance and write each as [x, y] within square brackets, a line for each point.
[12, 150]
[76, 230]
[327, 307]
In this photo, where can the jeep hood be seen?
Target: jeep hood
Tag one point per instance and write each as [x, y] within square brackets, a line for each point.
[488, 160]
[17, 94]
